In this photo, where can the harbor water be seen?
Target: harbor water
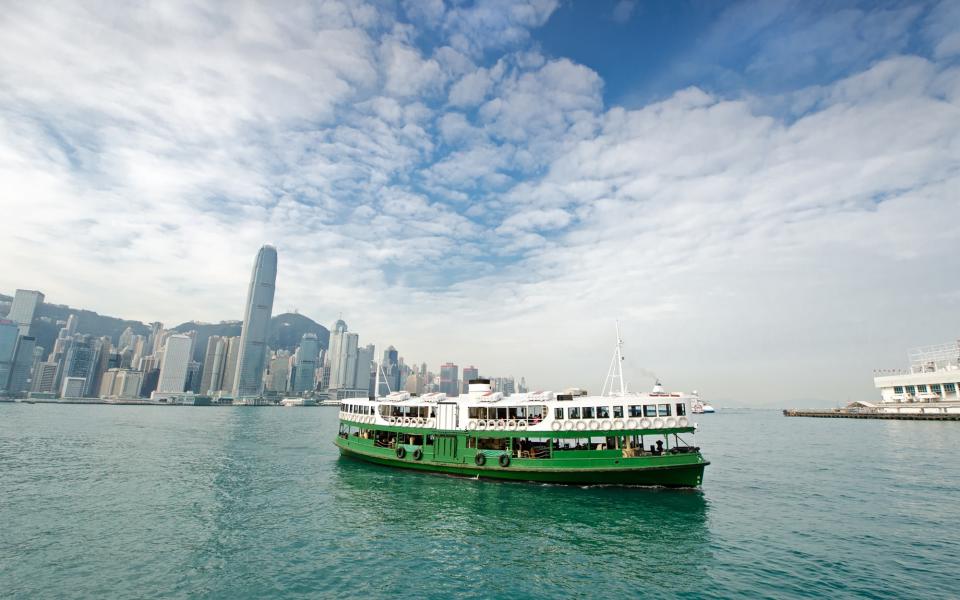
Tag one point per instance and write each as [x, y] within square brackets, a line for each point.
[218, 502]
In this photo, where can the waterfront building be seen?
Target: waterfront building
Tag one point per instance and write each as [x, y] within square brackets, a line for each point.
[78, 360]
[366, 369]
[9, 332]
[73, 387]
[278, 373]
[469, 374]
[176, 359]
[449, 379]
[248, 381]
[22, 365]
[931, 385]
[308, 355]
[150, 380]
[230, 364]
[214, 360]
[26, 304]
[100, 362]
[343, 360]
[44, 378]
[194, 375]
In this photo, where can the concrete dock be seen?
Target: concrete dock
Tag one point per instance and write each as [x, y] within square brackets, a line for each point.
[840, 413]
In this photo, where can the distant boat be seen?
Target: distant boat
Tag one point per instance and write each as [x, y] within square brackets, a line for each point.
[698, 407]
[298, 402]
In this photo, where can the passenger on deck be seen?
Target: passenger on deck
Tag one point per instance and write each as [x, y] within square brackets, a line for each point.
[659, 447]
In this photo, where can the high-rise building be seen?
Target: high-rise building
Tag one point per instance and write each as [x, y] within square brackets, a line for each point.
[278, 373]
[230, 364]
[389, 371]
[214, 360]
[126, 339]
[449, 379]
[78, 362]
[9, 332]
[102, 351]
[44, 378]
[343, 360]
[22, 365]
[24, 308]
[308, 356]
[366, 378]
[248, 382]
[469, 373]
[176, 361]
[72, 322]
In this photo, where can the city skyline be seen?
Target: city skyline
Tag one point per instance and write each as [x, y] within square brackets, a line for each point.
[745, 194]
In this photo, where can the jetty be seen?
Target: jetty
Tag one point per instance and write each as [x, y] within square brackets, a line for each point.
[844, 413]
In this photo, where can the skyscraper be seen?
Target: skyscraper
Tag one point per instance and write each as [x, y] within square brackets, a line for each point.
[389, 375]
[9, 332]
[229, 365]
[449, 380]
[214, 361]
[469, 373]
[176, 360]
[307, 357]
[256, 325]
[22, 365]
[24, 309]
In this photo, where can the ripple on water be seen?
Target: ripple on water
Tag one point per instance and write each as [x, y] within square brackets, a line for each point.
[229, 503]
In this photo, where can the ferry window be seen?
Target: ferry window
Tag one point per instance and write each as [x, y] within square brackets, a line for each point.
[935, 388]
[650, 410]
[681, 409]
[501, 412]
[603, 412]
[558, 413]
[911, 389]
[636, 411]
[950, 387]
[587, 412]
[512, 412]
[471, 442]
[522, 412]
[474, 412]
[922, 388]
[664, 410]
[898, 389]
[617, 412]
[574, 412]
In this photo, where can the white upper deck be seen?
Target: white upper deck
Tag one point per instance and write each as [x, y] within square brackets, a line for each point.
[933, 376]
[483, 409]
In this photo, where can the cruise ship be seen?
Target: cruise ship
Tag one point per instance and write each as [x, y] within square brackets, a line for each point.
[618, 437]
[930, 386]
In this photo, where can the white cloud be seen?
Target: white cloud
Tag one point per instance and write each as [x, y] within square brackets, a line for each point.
[492, 210]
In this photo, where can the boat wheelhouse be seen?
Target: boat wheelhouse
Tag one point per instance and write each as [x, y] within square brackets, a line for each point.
[619, 438]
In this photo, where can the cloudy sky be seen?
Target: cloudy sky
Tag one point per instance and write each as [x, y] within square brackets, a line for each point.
[767, 195]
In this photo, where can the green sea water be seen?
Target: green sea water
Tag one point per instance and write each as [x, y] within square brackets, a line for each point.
[178, 502]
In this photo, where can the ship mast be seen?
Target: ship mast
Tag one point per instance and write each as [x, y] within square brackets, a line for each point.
[615, 372]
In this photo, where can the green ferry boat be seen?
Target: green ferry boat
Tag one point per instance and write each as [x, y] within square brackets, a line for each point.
[615, 438]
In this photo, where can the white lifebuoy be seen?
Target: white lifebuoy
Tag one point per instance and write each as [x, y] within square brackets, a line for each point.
[472, 425]
[431, 422]
[631, 424]
[683, 422]
[501, 423]
[644, 423]
[671, 422]
[618, 424]
[594, 425]
[522, 424]
[658, 423]
[391, 420]
[556, 426]
[605, 424]
[512, 425]
[406, 420]
[482, 425]
[581, 426]
[568, 425]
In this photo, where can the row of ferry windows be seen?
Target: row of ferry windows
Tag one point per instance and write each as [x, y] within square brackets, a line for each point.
[633, 411]
[534, 413]
[357, 409]
[935, 388]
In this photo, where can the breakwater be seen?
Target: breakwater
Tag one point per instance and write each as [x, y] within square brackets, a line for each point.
[840, 413]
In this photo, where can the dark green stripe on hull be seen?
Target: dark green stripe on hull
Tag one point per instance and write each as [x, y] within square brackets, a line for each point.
[679, 474]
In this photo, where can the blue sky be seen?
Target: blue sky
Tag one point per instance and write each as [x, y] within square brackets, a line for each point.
[752, 187]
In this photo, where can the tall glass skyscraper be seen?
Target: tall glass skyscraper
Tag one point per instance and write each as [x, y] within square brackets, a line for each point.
[248, 382]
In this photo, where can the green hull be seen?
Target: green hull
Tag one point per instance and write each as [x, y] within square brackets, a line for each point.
[680, 470]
